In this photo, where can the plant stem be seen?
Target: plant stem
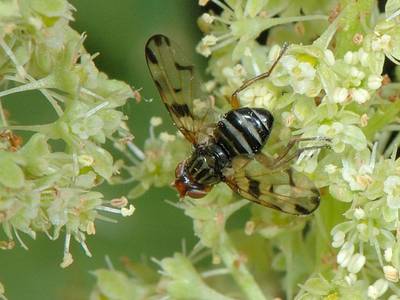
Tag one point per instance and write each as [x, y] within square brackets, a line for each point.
[238, 269]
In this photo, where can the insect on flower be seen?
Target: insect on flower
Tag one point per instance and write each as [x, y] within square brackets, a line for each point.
[228, 148]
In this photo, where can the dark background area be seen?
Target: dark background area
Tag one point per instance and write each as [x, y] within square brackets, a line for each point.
[117, 30]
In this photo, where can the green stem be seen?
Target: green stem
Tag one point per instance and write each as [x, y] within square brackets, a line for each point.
[35, 85]
[239, 271]
[269, 23]
[2, 115]
[34, 128]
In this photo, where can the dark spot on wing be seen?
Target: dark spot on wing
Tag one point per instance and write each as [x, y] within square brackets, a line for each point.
[177, 90]
[301, 209]
[275, 206]
[315, 200]
[158, 39]
[184, 68]
[150, 56]
[254, 187]
[180, 110]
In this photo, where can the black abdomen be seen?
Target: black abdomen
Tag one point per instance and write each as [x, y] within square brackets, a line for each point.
[244, 131]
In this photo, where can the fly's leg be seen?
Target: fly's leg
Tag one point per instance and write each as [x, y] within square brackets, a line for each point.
[285, 156]
[234, 101]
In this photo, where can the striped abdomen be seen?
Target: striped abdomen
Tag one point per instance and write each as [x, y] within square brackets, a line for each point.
[244, 131]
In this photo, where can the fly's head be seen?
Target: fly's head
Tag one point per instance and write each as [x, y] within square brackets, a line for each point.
[185, 185]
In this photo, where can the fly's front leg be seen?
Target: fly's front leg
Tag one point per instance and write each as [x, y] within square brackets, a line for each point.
[234, 101]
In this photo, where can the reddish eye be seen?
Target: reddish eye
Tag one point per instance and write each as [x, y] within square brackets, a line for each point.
[179, 169]
[197, 193]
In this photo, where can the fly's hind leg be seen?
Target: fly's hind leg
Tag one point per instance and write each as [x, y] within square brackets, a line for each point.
[234, 101]
[288, 154]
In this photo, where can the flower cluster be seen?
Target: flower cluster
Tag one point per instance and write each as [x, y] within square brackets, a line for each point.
[44, 190]
[329, 83]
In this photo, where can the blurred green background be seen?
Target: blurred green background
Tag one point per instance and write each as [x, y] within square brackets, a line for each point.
[117, 30]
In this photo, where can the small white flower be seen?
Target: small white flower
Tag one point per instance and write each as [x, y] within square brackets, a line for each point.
[239, 70]
[247, 52]
[364, 120]
[391, 273]
[300, 75]
[274, 53]
[377, 289]
[391, 187]
[210, 85]
[155, 121]
[360, 95]
[345, 254]
[374, 82]
[340, 95]
[330, 169]
[249, 227]
[350, 58]
[257, 96]
[232, 76]
[338, 239]
[388, 254]
[126, 212]
[166, 137]
[203, 49]
[304, 70]
[359, 213]
[288, 118]
[381, 43]
[329, 57]
[91, 228]
[351, 278]
[362, 229]
[330, 130]
[209, 40]
[358, 177]
[356, 263]
[356, 73]
[85, 160]
[207, 18]
[363, 57]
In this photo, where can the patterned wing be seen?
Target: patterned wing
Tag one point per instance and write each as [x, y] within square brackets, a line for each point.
[283, 189]
[179, 87]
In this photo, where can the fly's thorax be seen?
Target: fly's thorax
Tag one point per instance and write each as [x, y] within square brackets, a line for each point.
[206, 163]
